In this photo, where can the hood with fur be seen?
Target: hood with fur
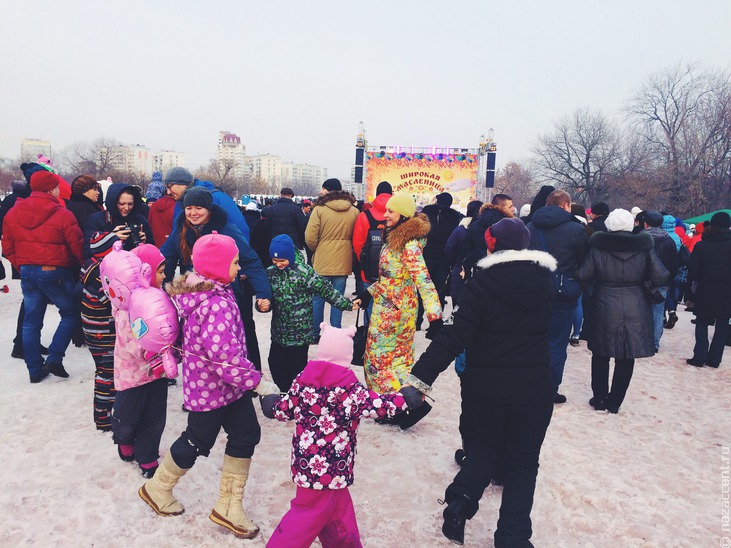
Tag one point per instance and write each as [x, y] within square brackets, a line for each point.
[416, 228]
[338, 200]
[192, 283]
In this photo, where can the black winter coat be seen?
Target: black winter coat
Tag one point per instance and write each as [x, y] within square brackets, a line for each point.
[501, 321]
[621, 315]
[710, 269]
[563, 235]
[286, 217]
[82, 208]
[666, 250]
[443, 222]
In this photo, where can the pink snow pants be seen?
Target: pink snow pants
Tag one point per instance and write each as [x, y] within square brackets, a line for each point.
[327, 515]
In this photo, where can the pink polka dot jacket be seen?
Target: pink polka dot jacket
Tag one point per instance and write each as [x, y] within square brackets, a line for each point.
[216, 366]
[327, 402]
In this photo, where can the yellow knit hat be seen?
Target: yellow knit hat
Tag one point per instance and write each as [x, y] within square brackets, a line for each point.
[403, 204]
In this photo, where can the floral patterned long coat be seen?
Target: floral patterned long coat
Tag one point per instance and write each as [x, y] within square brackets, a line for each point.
[389, 352]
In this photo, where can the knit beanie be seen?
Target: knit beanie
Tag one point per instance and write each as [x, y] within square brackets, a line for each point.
[619, 220]
[43, 181]
[336, 345]
[402, 204]
[332, 184]
[198, 196]
[524, 211]
[156, 188]
[282, 247]
[149, 254]
[508, 233]
[444, 199]
[721, 220]
[179, 176]
[212, 256]
[384, 187]
[635, 211]
[652, 218]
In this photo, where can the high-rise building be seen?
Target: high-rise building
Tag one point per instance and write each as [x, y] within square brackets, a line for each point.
[306, 174]
[267, 167]
[127, 159]
[31, 148]
[165, 160]
[231, 153]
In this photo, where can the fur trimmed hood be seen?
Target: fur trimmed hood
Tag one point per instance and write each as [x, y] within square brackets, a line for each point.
[622, 241]
[500, 208]
[336, 195]
[541, 258]
[413, 229]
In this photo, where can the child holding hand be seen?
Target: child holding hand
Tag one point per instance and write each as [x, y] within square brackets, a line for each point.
[327, 402]
[218, 381]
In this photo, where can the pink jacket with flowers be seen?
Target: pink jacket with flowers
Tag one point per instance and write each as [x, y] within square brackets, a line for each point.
[130, 367]
[327, 401]
[216, 366]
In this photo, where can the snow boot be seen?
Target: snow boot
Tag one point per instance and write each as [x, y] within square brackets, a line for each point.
[460, 508]
[228, 511]
[158, 492]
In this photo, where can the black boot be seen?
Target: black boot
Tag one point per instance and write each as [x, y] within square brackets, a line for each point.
[457, 512]
[459, 456]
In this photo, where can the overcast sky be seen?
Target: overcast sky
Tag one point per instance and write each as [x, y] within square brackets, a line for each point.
[295, 78]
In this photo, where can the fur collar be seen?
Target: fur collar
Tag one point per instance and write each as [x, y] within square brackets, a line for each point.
[412, 229]
[502, 209]
[622, 241]
[181, 286]
[334, 195]
[541, 258]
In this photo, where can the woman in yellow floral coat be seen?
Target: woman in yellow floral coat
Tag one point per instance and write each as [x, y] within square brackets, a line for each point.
[389, 352]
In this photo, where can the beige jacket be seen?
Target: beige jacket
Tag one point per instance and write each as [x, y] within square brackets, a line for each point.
[329, 233]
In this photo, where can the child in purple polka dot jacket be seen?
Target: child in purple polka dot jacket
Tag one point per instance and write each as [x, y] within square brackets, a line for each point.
[218, 382]
[327, 402]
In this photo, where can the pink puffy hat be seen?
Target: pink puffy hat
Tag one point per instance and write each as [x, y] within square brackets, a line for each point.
[336, 345]
[212, 256]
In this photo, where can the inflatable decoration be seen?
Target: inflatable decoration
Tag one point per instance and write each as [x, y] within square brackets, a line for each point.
[121, 272]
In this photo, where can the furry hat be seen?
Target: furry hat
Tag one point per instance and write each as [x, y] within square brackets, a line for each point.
[43, 181]
[332, 184]
[336, 345]
[198, 197]
[212, 256]
[282, 247]
[619, 220]
[402, 204]
[178, 176]
[508, 233]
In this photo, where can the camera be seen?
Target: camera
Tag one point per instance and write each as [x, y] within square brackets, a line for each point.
[134, 238]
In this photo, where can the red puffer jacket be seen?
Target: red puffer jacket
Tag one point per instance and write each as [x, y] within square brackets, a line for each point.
[40, 231]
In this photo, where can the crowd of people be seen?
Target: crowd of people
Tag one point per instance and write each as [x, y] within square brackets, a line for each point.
[524, 286]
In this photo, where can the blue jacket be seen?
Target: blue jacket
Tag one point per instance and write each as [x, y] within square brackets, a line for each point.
[250, 264]
[225, 202]
[563, 236]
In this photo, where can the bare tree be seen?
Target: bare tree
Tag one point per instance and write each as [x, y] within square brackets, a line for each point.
[683, 112]
[517, 181]
[582, 154]
[98, 159]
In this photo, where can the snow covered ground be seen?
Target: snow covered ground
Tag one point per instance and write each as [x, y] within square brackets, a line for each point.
[650, 476]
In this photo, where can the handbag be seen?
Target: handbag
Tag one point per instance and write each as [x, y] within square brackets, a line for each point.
[653, 295]
[359, 341]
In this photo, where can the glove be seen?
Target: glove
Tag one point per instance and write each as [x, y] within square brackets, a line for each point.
[265, 388]
[365, 298]
[413, 397]
[267, 404]
[434, 328]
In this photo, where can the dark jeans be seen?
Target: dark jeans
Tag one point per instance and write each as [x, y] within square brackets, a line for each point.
[623, 370]
[238, 420]
[245, 299]
[515, 430]
[562, 318]
[138, 418]
[701, 350]
[42, 285]
[286, 362]
[439, 270]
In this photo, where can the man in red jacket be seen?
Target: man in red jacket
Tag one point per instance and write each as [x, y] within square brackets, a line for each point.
[43, 241]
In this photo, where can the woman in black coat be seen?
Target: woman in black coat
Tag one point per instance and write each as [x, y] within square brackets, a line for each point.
[84, 202]
[619, 263]
[501, 322]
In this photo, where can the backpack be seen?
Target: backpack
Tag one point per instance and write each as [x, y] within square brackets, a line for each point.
[371, 252]
[683, 256]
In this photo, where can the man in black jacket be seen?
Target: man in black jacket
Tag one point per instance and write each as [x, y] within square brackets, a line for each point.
[286, 217]
[501, 322]
[556, 231]
[599, 212]
[443, 221]
[668, 255]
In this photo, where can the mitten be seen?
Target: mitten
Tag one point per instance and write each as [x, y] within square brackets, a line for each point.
[265, 388]
[413, 397]
[434, 327]
[365, 298]
[267, 404]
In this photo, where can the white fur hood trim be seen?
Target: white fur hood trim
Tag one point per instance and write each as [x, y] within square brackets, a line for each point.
[542, 258]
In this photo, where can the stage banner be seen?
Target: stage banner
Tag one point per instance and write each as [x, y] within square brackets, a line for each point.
[423, 175]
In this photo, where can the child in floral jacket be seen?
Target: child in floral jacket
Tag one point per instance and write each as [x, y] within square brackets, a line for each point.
[294, 283]
[327, 402]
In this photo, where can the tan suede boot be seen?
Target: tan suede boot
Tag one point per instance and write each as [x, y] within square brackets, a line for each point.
[228, 511]
[158, 492]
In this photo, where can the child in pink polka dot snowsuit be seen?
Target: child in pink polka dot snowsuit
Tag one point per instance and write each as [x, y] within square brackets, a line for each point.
[218, 382]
